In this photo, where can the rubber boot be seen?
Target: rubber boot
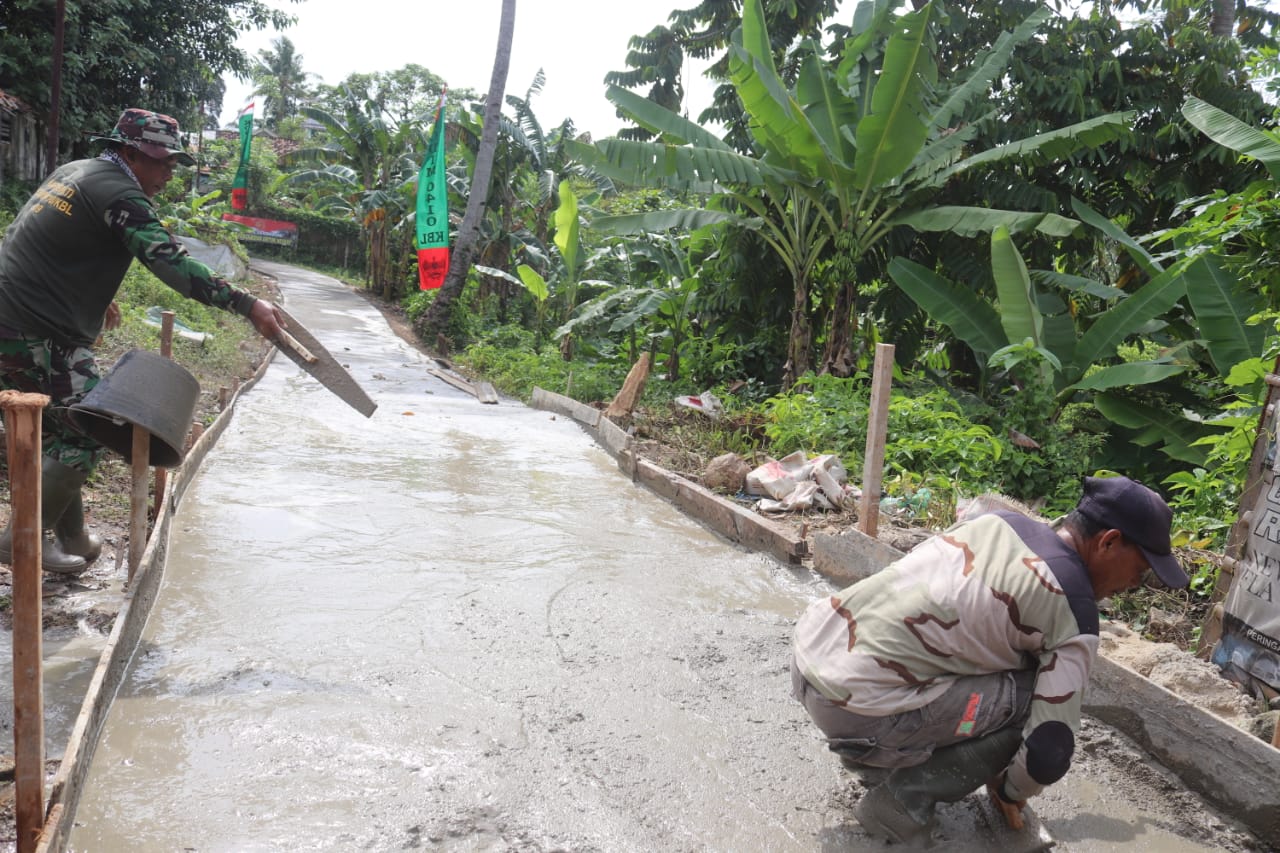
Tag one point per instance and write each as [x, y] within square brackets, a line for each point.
[901, 809]
[59, 485]
[71, 536]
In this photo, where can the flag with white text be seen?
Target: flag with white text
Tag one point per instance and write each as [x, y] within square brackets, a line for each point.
[433, 210]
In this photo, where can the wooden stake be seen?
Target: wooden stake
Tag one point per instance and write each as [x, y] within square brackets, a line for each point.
[877, 429]
[166, 350]
[632, 388]
[138, 499]
[22, 436]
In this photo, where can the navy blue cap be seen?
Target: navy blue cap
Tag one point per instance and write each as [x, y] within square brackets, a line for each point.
[1141, 515]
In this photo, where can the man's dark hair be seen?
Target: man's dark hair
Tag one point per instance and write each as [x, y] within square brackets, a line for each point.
[1083, 525]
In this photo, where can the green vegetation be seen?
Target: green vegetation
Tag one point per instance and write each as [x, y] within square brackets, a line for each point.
[1064, 223]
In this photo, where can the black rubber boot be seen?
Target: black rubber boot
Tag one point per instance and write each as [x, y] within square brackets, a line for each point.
[59, 485]
[71, 535]
[901, 809]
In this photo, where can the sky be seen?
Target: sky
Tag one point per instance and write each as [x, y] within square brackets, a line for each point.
[574, 42]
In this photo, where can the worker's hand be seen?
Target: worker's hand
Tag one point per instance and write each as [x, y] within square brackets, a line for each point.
[111, 320]
[267, 319]
[1011, 809]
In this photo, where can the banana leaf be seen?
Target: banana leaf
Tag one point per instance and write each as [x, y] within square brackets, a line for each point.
[1019, 315]
[1177, 435]
[1128, 374]
[892, 134]
[974, 221]
[1140, 256]
[1126, 317]
[688, 219]
[1222, 309]
[1230, 132]
[969, 317]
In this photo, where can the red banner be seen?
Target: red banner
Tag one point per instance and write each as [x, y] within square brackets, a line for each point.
[276, 231]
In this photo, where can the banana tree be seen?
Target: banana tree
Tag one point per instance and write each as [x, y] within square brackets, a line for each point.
[1079, 354]
[859, 148]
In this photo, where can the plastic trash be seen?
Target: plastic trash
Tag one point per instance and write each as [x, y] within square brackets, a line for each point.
[155, 317]
[706, 402]
[797, 482]
[911, 506]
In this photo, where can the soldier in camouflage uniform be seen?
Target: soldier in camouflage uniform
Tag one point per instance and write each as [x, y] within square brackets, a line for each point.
[61, 263]
[965, 662]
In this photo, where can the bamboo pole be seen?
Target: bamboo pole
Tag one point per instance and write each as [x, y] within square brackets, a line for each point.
[877, 429]
[138, 498]
[22, 414]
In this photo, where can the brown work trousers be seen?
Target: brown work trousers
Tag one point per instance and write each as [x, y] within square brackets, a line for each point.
[975, 705]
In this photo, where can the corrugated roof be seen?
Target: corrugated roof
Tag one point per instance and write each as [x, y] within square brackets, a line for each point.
[12, 104]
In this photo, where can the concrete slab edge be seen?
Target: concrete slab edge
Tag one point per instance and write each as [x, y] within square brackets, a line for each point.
[126, 630]
[1226, 765]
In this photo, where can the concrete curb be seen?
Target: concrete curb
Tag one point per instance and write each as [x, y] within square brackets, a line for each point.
[1222, 763]
[734, 522]
[113, 662]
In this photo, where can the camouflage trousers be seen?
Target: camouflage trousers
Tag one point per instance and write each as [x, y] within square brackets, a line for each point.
[65, 374]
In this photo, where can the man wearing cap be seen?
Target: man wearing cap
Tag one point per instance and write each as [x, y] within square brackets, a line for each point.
[965, 661]
[61, 263]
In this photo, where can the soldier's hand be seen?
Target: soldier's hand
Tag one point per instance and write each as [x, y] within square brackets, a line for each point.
[1011, 810]
[267, 319]
[111, 320]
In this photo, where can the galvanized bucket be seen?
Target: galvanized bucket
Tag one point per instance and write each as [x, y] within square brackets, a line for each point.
[147, 390]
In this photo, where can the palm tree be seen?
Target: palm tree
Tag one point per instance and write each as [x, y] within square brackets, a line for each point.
[436, 318]
[280, 80]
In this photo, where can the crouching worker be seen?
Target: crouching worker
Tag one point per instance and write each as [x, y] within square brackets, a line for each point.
[964, 663]
[61, 264]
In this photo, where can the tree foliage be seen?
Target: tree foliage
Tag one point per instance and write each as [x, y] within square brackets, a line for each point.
[120, 53]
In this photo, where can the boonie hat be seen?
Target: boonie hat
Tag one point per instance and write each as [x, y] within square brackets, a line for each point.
[154, 134]
[1141, 515]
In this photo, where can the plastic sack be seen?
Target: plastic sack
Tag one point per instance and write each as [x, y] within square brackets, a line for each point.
[797, 482]
[706, 402]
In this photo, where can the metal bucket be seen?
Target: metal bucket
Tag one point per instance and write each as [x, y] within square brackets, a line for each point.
[147, 390]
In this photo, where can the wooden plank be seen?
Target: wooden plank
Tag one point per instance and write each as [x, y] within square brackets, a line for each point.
[486, 393]
[22, 414]
[456, 381]
[877, 429]
[141, 463]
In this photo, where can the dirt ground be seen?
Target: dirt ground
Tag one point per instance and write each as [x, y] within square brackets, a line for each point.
[106, 499]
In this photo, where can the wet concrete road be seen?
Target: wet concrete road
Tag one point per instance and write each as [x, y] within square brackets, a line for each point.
[456, 626]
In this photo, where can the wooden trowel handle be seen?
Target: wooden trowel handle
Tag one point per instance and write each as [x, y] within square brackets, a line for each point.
[294, 344]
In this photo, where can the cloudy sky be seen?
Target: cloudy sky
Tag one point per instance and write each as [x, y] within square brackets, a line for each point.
[575, 43]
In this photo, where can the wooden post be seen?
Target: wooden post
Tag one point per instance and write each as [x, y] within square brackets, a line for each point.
[22, 438]
[877, 428]
[138, 499]
[166, 350]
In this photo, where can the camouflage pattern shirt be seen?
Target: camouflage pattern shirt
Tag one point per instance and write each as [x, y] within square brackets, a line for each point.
[998, 592]
[66, 253]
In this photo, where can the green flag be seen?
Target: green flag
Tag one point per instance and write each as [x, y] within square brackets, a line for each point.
[433, 210]
[240, 186]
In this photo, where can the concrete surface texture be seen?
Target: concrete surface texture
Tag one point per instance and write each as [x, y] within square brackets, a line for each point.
[456, 626]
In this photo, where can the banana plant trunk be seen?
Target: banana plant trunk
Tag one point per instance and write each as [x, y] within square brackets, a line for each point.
[800, 340]
[838, 357]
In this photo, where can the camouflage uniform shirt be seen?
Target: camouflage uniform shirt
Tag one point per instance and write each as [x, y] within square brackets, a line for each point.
[65, 255]
[999, 592]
